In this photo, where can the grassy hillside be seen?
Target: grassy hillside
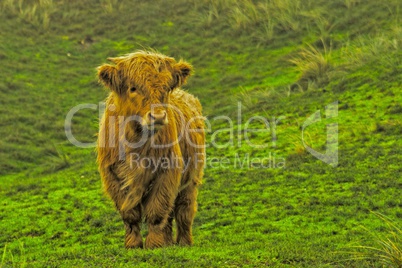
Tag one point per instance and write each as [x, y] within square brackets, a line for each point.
[276, 59]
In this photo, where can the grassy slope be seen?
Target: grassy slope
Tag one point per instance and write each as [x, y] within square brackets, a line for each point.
[52, 209]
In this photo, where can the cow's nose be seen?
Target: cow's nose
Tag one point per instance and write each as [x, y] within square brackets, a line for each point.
[157, 118]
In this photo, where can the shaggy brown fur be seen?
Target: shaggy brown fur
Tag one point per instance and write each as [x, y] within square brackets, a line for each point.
[151, 146]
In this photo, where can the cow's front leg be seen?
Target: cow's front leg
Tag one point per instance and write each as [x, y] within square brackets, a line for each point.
[113, 179]
[132, 220]
[158, 208]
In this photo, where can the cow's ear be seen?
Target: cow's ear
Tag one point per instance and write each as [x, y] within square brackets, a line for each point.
[181, 71]
[108, 75]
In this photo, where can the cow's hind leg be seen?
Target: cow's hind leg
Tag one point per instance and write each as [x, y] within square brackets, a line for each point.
[185, 209]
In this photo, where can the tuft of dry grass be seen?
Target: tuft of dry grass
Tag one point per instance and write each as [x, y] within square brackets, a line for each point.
[57, 159]
[110, 6]
[37, 12]
[388, 249]
[313, 65]
[265, 18]
[351, 3]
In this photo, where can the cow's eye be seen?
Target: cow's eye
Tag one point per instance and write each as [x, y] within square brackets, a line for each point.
[132, 89]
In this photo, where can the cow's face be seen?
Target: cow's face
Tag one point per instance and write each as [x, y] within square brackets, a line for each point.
[142, 82]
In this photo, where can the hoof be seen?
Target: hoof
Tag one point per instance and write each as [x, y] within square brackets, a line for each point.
[133, 242]
[154, 240]
[168, 238]
[184, 241]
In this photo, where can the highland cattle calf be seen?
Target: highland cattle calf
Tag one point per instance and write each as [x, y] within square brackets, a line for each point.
[150, 147]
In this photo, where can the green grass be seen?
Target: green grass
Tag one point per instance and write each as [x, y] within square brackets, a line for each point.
[283, 60]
